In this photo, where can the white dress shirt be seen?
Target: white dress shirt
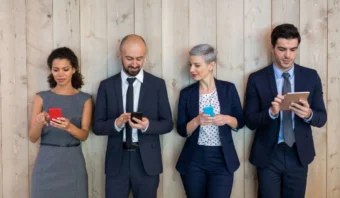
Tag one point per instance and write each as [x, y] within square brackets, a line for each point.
[136, 90]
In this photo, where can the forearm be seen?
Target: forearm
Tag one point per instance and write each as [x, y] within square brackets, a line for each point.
[192, 126]
[160, 127]
[35, 132]
[80, 134]
[232, 122]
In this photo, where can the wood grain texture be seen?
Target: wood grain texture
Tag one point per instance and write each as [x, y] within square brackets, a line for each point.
[66, 24]
[333, 90]
[121, 21]
[14, 98]
[257, 22]
[39, 45]
[230, 50]
[175, 46]
[313, 54]
[94, 63]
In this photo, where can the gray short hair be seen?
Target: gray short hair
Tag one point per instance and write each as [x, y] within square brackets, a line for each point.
[206, 51]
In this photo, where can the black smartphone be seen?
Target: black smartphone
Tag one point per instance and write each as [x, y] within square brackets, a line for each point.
[138, 115]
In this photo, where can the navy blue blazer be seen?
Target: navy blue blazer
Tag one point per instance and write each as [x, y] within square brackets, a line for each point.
[188, 108]
[261, 91]
[153, 102]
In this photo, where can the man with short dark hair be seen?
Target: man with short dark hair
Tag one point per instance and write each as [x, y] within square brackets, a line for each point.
[133, 154]
[283, 143]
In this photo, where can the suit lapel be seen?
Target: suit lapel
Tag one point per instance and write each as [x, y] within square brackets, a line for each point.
[194, 100]
[221, 95]
[271, 80]
[298, 79]
[142, 91]
[119, 93]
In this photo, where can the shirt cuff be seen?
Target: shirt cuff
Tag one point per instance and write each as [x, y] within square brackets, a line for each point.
[119, 128]
[310, 118]
[271, 116]
[143, 131]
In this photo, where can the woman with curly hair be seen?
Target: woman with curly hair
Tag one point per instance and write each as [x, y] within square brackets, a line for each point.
[59, 169]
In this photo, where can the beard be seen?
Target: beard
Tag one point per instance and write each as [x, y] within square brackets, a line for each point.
[128, 71]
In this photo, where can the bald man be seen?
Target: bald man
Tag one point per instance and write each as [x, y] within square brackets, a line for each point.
[133, 153]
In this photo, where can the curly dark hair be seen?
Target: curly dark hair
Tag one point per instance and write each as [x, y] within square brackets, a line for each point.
[286, 31]
[65, 53]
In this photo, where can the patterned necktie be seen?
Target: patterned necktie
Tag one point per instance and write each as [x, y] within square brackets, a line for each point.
[129, 109]
[287, 122]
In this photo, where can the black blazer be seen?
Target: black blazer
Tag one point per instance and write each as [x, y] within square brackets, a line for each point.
[153, 102]
[261, 91]
[188, 108]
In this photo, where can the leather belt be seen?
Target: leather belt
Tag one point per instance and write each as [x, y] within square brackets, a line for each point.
[134, 146]
[56, 145]
[284, 145]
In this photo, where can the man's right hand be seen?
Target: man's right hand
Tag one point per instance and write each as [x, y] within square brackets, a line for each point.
[122, 119]
[276, 105]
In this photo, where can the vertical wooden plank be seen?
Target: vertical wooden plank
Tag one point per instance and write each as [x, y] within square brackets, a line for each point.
[2, 19]
[94, 48]
[257, 23]
[120, 23]
[202, 24]
[286, 11]
[333, 85]
[39, 45]
[148, 24]
[313, 54]
[14, 101]
[230, 49]
[66, 24]
[175, 48]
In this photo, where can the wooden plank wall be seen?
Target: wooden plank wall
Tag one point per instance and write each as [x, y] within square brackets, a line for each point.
[240, 31]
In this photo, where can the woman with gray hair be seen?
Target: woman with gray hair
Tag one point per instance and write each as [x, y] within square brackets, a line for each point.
[208, 111]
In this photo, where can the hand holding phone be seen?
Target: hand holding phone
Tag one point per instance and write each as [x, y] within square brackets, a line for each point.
[55, 113]
[138, 115]
[209, 110]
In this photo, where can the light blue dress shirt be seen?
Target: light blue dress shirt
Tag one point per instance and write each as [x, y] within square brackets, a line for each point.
[279, 85]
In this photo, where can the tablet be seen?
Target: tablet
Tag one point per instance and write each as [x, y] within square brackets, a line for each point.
[293, 97]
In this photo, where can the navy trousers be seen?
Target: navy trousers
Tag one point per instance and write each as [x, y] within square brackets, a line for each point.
[285, 177]
[131, 175]
[208, 176]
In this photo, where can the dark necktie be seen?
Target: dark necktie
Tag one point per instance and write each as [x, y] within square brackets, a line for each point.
[129, 109]
[288, 132]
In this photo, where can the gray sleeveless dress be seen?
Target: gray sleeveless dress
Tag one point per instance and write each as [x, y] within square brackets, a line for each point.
[60, 172]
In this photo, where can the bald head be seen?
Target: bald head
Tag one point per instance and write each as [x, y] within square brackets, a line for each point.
[130, 40]
[132, 53]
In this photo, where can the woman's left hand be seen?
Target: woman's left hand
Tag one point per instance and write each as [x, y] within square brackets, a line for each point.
[61, 123]
[220, 119]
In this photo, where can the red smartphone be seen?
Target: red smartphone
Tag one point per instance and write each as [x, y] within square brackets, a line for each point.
[54, 113]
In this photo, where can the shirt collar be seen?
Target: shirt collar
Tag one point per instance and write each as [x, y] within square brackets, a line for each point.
[278, 72]
[139, 76]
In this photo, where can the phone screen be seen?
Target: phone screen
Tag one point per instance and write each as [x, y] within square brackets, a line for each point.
[138, 115]
[54, 113]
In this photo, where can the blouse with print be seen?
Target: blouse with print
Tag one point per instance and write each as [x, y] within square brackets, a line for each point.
[209, 134]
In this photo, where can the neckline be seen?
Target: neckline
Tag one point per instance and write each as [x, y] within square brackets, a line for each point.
[206, 94]
[64, 95]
